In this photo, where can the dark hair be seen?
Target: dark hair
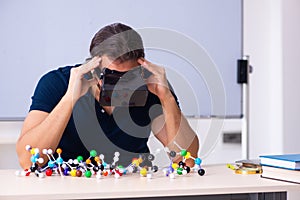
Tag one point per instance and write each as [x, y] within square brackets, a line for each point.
[118, 42]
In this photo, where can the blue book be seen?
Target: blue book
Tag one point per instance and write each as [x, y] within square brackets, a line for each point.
[286, 161]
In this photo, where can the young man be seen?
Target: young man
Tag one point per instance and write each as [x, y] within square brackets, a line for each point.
[65, 111]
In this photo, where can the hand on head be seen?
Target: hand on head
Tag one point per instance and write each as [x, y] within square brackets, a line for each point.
[78, 85]
[157, 83]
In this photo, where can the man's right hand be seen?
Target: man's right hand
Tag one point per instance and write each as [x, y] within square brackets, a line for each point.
[78, 85]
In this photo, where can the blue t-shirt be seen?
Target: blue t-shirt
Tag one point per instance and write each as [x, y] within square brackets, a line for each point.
[125, 131]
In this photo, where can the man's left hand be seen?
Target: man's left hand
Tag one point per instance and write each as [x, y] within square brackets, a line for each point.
[157, 83]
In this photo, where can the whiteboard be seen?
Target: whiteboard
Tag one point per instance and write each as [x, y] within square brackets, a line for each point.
[197, 41]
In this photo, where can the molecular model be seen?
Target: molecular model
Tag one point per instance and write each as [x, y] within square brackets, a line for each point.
[35, 159]
[144, 165]
[96, 166]
[181, 168]
[76, 167]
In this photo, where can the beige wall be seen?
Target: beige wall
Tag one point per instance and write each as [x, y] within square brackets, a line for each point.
[271, 38]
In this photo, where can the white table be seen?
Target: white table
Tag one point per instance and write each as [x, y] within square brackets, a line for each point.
[219, 182]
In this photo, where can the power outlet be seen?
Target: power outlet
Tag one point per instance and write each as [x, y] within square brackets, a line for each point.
[232, 138]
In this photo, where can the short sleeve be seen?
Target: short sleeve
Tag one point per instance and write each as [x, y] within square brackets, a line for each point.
[48, 92]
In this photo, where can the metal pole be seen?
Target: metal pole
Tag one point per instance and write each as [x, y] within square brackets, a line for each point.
[245, 118]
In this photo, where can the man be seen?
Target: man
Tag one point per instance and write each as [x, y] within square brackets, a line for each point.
[66, 113]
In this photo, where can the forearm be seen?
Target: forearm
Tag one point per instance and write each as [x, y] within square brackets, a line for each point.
[172, 118]
[47, 133]
[178, 131]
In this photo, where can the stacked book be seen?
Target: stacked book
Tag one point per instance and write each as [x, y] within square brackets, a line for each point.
[281, 167]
